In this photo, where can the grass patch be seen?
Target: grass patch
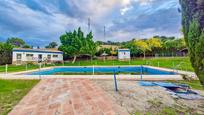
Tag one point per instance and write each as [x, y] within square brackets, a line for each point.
[181, 63]
[12, 91]
[170, 111]
[195, 84]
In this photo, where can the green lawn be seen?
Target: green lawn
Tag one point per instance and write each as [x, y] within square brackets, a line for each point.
[194, 84]
[12, 91]
[18, 68]
[181, 63]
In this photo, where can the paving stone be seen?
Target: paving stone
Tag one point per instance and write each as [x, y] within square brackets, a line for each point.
[66, 97]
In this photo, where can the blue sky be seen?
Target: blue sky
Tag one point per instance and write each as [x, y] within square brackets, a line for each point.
[39, 22]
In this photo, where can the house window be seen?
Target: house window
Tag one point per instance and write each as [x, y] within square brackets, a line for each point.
[55, 56]
[29, 55]
[48, 56]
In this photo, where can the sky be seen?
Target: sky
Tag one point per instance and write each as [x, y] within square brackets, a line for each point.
[39, 22]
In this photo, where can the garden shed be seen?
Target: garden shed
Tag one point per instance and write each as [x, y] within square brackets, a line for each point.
[123, 54]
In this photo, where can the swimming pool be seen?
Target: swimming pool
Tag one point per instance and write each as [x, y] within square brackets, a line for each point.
[118, 69]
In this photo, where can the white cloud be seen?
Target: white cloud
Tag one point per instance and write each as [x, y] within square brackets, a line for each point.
[144, 2]
[35, 24]
[95, 8]
[124, 10]
[125, 2]
[18, 19]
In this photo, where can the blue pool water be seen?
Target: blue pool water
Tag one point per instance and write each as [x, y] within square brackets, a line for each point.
[148, 71]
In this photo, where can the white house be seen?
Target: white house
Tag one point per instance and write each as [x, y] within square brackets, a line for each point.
[22, 56]
[123, 54]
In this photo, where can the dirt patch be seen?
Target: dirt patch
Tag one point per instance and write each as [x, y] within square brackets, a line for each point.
[154, 100]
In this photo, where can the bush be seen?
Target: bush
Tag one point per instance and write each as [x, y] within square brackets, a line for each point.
[5, 53]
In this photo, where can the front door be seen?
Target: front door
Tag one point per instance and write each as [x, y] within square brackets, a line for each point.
[39, 58]
[48, 58]
[18, 59]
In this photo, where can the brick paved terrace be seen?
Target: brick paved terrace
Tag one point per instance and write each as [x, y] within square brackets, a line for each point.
[67, 97]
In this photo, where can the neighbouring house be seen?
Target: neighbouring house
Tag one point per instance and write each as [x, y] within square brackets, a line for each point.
[184, 52]
[123, 54]
[23, 56]
[113, 47]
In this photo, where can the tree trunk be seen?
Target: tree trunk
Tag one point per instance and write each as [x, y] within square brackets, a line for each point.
[201, 77]
[74, 59]
[144, 55]
[91, 58]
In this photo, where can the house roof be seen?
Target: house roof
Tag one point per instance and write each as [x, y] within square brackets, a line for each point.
[123, 49]
[37, 50]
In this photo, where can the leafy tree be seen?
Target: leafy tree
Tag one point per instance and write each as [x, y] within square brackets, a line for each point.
[155, 44]
[74, 44]
[5, 53]
[180, 43]
[71, 44]
[113, 52]
[102, 50]
[170, 45]
[26, 46]
[134, 50]
[193, 29]
[52, 45]
[90, 45]
[16, 42]
[143, 46]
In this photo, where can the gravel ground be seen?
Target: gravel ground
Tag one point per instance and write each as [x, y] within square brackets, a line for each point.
[139, 99]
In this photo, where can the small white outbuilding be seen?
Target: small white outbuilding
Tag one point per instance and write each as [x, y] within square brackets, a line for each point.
[23, 56]
[123, 54]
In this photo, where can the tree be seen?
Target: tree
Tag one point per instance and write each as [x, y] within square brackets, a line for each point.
[74, 44]
[71, 44]
[193, 29]
[170, 45]
[102, 50]
[5, 53]
[26, 46]
[91, 46]
[143, 46]
[180, 43]
[16, 42]
[52, 45]
[155, 44]
[134, 50]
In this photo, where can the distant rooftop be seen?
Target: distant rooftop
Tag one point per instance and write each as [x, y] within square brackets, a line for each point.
[124, 49]
[37, 50]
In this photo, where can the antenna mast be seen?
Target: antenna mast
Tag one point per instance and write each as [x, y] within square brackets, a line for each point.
[104, 32]
[89, 24]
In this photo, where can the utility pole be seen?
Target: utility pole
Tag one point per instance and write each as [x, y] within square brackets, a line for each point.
[104, 32]
[89, 24]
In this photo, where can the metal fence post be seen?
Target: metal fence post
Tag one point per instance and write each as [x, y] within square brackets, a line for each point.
[115, 82]
[39, 70]
[141, 72]
[26, 66]
[93, 69]
[6, 69]
[173, 66]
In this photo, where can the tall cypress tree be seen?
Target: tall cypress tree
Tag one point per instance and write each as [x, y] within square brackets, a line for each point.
[193, 29]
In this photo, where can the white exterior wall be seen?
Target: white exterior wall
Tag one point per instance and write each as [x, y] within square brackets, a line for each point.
[35, 56]
[123, 55]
